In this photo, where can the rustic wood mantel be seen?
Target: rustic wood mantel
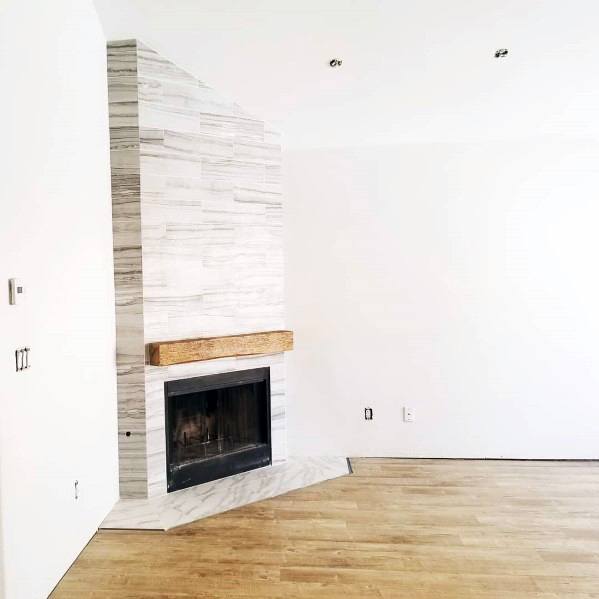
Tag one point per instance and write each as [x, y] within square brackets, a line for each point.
[166, 353]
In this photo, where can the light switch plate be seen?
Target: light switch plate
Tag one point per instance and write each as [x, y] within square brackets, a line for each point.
[408, 414]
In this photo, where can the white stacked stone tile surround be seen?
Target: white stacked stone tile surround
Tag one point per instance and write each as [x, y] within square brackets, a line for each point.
[198, 243]
[198, 251]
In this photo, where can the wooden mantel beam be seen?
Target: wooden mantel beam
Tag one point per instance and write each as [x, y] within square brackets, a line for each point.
[166, 353]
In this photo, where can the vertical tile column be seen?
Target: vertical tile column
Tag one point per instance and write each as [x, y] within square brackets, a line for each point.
[128, 273]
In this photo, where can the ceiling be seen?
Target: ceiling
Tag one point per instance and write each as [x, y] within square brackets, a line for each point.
[413, 72]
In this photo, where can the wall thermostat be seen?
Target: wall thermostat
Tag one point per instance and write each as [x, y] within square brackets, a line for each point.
[15, 291]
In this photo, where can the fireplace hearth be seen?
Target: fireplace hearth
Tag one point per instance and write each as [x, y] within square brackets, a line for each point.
[217, 426]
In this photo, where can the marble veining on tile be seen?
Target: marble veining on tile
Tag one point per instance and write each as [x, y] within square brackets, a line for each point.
[127, 247]
[198, 242]
[208, 499]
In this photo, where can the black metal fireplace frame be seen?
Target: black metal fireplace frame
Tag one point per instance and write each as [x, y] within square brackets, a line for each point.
[194, 474]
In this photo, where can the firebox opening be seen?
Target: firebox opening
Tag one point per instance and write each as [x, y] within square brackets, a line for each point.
[216, 426]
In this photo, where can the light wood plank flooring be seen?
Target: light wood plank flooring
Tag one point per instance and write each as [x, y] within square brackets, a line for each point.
[411, 529]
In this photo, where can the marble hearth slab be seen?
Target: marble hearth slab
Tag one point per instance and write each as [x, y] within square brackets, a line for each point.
[187, 505]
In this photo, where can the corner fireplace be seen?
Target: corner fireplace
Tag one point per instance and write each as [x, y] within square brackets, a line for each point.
[216, 426]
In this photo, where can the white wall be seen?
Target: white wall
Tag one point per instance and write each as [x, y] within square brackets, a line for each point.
[441, 206]
[413, 71]
[454, 279]
[58, 420]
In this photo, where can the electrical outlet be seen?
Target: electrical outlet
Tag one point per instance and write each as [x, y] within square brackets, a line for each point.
[408, 414]
[368, 414]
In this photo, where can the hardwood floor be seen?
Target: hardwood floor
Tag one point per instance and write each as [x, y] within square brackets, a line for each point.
[411, 529]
